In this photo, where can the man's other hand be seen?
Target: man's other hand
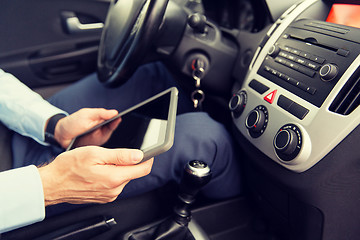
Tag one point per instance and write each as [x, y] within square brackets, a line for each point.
[79, 122]
[91, 174]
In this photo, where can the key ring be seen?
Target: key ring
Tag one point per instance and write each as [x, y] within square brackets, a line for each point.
[197, 97]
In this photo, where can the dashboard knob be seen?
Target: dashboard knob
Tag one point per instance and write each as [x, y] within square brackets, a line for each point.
[237, 103]
[255, 121]
[274, 51]
[286, 141]
[328, 72]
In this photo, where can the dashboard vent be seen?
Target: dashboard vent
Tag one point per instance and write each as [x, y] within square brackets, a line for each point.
[349, 97]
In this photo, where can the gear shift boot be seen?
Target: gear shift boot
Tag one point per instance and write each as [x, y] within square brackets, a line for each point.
[163, 230]
[167, 229]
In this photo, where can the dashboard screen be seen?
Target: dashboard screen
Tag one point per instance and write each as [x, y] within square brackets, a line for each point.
[345, 14]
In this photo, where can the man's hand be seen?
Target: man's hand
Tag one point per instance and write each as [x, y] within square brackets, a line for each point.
[79, 122]
[91, 174]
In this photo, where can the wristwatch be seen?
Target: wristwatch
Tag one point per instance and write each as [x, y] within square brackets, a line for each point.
[50, 128]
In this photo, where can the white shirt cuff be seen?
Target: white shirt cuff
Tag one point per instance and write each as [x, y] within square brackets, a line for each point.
[22, 198]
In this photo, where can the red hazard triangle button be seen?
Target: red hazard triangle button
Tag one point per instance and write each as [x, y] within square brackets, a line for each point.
[270, 97]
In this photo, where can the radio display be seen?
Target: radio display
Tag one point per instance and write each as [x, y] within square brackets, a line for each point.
[345, 14]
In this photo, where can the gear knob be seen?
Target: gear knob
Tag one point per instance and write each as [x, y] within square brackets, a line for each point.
[196, 175]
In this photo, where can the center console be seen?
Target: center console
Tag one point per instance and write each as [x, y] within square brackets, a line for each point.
[296, 119]
[300, 97]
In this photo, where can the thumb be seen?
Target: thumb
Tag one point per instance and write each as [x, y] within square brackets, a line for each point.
[106, 114]
[122, 156]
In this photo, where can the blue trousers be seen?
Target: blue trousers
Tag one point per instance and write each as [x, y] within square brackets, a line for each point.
[197, 136]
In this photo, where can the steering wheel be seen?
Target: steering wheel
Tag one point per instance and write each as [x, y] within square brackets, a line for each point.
[129, 30]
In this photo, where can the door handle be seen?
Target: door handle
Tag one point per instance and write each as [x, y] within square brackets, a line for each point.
[73, 24]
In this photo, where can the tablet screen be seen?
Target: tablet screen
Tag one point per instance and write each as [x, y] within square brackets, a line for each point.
[148, 126]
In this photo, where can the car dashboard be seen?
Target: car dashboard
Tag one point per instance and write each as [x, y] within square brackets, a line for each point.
[295, 116]
[293, 96]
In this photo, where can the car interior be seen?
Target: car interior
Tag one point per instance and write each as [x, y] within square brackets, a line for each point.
[282, 76]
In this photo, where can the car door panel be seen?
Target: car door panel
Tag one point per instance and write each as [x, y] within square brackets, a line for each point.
[37, 45]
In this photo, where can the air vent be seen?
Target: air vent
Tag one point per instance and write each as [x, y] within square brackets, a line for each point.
[349, 97]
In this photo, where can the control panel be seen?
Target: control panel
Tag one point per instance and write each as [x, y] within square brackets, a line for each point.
[308, 63]
[284, 107]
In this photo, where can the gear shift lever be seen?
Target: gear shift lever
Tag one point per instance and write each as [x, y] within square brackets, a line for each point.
[196, 175]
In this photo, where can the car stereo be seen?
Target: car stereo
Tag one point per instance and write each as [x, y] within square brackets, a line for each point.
[310, 57]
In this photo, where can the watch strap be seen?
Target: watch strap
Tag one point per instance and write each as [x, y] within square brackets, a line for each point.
[50, 128]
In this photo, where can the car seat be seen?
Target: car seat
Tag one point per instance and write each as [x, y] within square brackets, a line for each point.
[5, 148]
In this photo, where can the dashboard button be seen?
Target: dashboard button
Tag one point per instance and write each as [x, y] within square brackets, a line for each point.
[283, 54]
[257, 86]
[280, 60]
[342, 52]
[311, 90]
[301, 61]
[267, 69]
[288, 79]
[285, 77]
[284, 102]
[302, 86]
[286, 48]
[280, 75]
[270, 97]
[295, 51]
[298, 111]
[292, 65]
[312, 66]
[317, 59]
[306, 71]
[274, 72]
[291, 57]
[305, 55]
[294, 82]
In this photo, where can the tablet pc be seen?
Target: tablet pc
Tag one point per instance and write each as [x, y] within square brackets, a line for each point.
[148, 126]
